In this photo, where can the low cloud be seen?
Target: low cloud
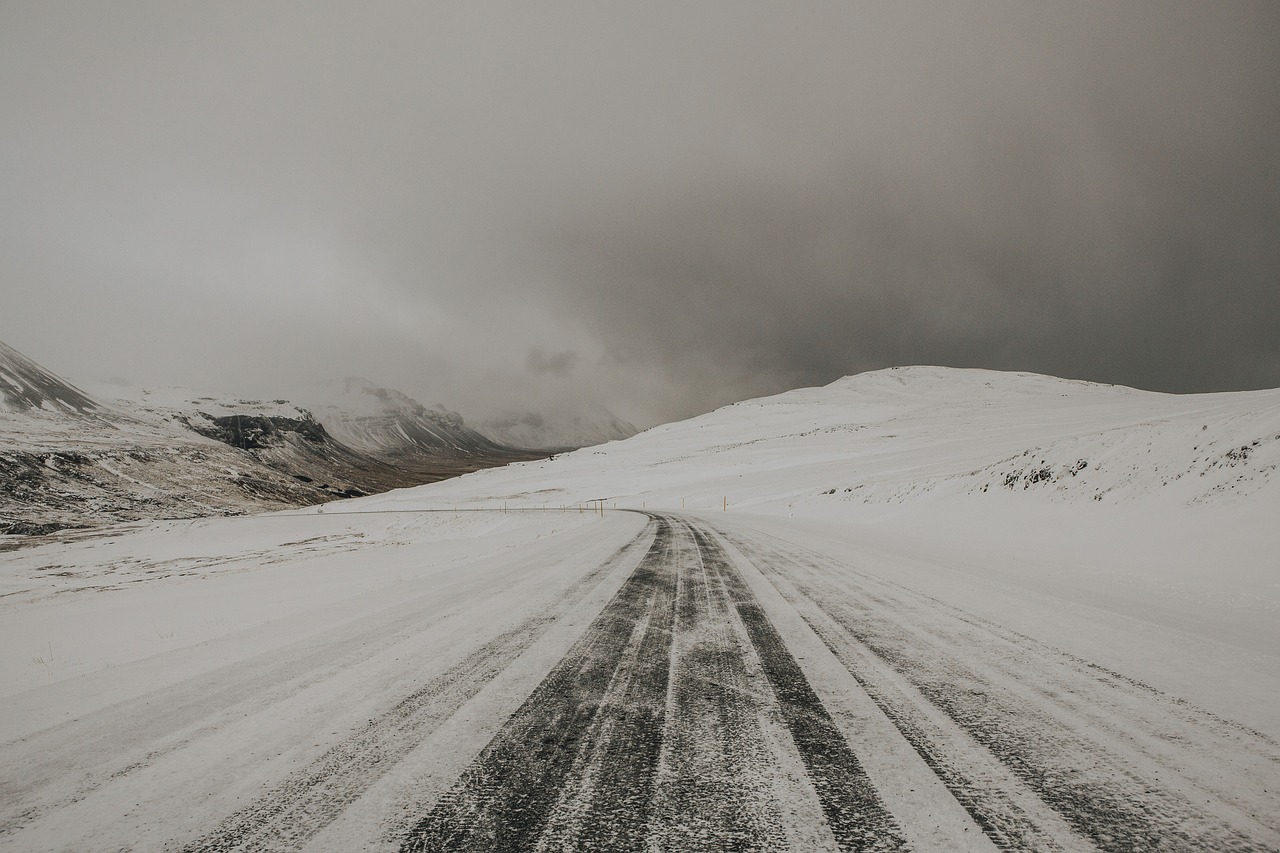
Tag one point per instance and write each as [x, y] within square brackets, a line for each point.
[542, 363]
[694, 203]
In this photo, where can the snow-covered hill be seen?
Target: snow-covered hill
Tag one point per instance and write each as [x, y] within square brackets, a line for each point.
[557, 428]
[1162, 506]
[902, 434]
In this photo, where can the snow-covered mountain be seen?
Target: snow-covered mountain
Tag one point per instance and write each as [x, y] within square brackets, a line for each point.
[277, 433]
[391, 425]
[557, 428]
[70, 459]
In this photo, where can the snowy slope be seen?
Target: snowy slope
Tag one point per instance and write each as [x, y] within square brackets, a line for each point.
[891, 436]
[38, 407]
[26, 386]
[1144, 504]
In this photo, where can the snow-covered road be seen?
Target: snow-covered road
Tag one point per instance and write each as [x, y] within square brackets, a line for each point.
[916, 609]
[545, 681]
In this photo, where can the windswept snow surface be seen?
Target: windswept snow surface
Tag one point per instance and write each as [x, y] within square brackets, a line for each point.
[919, 608]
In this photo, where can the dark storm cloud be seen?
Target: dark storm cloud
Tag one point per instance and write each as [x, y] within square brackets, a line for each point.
[663, 206]
[1109, 210]
[540, 362]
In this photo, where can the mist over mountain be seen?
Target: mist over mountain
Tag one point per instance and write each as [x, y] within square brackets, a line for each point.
[71, 459]
[76, 458]
[390, 425]
[557, 428]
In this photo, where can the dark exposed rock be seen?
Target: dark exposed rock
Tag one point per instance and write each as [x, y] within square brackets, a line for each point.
[29, 528]
[255, 432]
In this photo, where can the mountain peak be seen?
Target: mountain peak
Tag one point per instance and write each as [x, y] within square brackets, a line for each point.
[26, 386]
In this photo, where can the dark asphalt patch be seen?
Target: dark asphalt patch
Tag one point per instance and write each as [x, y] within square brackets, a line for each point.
[312, 798]
[857, 816]
[635, 741]
[504, 800]
[715, 784]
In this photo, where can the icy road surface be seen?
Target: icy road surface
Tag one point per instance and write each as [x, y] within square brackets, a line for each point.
[558, 681]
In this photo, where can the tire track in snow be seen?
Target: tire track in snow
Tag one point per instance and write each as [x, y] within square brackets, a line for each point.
[714, 788]
[639, 739]
[504, 800]
[1110, 796]
[857, 816]
[310, 799]
[147, 729]
[1012, 819]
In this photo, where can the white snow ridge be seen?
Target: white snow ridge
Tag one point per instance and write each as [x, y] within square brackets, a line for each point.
[916, 609]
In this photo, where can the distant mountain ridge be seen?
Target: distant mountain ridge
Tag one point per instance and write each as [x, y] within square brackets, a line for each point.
[68, 459]
[561, 429]
[391, 425]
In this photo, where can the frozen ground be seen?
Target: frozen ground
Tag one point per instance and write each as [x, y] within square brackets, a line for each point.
[918, 609]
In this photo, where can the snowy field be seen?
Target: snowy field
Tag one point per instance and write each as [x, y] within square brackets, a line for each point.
[916, 609]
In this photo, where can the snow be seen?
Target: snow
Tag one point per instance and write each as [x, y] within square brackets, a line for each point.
[162, 405]
[1155, 559]
[1171, 524]
[170, 588]
[1164, 524]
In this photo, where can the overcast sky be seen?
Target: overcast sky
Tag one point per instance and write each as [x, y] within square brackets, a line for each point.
[662, 206]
